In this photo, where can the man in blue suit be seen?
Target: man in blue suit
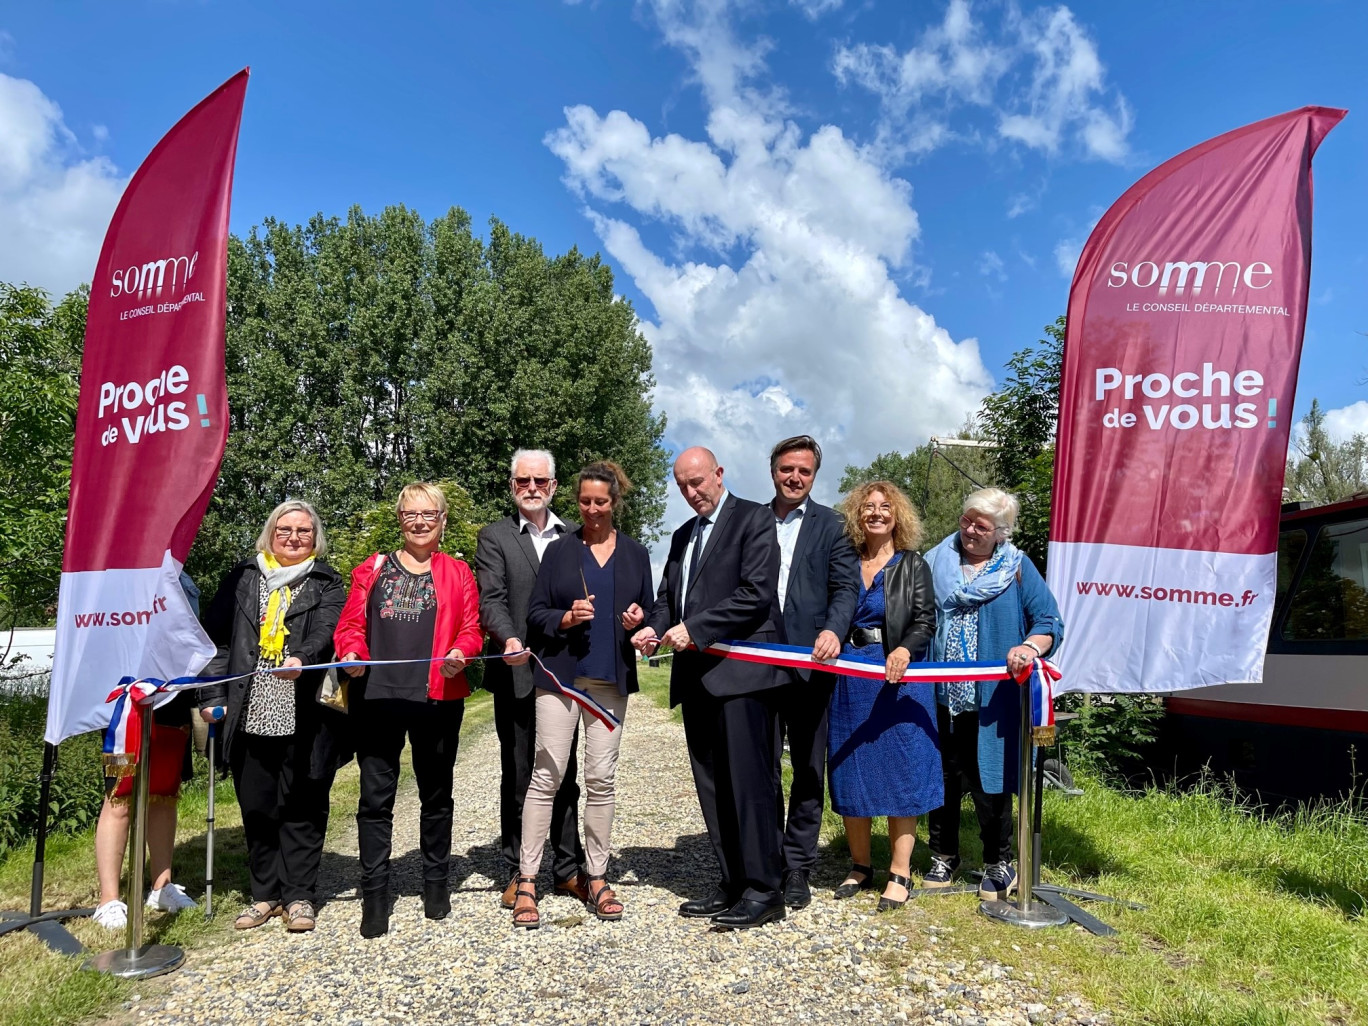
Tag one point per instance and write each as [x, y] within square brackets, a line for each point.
[819, 585]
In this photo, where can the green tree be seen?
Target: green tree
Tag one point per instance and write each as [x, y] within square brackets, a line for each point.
[936, 485]
[40, 361]
[1021, 417]
[1321, 470]
[376, 350]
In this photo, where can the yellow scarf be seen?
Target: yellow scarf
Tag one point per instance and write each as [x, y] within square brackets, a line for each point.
[271, 641]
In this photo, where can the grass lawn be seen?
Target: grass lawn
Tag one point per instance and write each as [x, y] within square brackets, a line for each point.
[38, 988]
[1251, 920]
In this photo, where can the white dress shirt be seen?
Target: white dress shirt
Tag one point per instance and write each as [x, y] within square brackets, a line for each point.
[702, 531]
[542, 537]
[787, 529]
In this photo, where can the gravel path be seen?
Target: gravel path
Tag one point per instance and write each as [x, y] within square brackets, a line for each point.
[832, 961]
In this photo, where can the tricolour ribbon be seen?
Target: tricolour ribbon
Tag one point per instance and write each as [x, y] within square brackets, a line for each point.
[1040, 677]
[133, 693]
[795, 658]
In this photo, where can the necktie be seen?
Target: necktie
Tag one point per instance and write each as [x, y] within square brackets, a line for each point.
[697, 553]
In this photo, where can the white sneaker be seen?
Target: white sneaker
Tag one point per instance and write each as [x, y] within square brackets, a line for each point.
[112, 915]
[171, 898]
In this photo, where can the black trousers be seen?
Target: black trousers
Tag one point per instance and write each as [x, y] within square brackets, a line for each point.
[803, 708]
[433, 729]
[732, 753]
[515, 722]
[959, 764]
[284, 815]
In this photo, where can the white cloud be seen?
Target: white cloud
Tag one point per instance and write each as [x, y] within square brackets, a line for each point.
[1066, 254]
[1039, 76]
[814, 9]
[54, 203]
[775, 310]
[991, 266]
[1347, 421]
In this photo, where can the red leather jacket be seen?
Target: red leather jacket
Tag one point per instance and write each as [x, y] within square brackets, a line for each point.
[458, 619]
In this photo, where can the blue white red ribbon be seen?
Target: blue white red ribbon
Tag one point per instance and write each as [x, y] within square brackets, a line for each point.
[796, 658]
[134, 694]
[1040, 678]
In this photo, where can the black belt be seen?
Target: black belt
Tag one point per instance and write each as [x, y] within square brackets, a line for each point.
[862, 636]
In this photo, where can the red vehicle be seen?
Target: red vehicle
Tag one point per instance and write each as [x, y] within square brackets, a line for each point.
[1303, 732]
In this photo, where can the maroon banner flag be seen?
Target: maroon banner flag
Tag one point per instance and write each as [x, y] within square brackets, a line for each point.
[151, 422]
[1180, 365]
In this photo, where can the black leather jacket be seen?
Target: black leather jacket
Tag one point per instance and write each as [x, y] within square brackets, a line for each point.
[910, 613]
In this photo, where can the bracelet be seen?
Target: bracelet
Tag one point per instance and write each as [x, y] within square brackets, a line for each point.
[1034, 647]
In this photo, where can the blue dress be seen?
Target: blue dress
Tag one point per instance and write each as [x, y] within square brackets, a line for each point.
[883, 749]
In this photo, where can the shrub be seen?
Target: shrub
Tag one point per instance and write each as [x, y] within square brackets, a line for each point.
[1113, 737]
[77, 786]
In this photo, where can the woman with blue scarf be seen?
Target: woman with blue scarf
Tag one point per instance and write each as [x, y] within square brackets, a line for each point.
[991, 604]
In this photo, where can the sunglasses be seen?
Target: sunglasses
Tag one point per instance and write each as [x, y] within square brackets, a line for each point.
[540, 482]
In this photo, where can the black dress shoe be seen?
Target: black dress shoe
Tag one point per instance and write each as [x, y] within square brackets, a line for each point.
[706, 908]
[375, 910]
[746, 914]
[797, 893]
[436, 899]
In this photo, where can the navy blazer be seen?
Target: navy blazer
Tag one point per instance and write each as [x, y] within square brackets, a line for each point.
[559, 583]
[823, 582]
[733, 597]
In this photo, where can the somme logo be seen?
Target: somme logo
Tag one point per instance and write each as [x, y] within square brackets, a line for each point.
[1179, 274]
[150, 279]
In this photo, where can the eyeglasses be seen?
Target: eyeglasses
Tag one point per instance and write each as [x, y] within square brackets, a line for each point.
[883, 507]
[974, 527]
[427, 516]
[540, 482]
[285, 532]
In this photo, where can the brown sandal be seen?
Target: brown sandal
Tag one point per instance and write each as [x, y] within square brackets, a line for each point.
[603, 901]
[525, 914]
[252, 916]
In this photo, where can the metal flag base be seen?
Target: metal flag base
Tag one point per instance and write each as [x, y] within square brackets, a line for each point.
[46, 926]
[1033, 917]
[137, 964]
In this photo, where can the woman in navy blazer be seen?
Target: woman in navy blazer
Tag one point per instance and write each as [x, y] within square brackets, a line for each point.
[591, 594]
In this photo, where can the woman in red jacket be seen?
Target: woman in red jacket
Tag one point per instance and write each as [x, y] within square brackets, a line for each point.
[416, 603]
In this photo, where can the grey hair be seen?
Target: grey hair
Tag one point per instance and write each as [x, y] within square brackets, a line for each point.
[263, 542]
[999, 506]
[535, 454]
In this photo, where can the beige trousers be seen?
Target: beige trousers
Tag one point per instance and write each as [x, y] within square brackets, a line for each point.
[557, 717]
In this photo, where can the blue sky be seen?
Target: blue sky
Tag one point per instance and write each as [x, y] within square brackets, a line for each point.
[831, 215]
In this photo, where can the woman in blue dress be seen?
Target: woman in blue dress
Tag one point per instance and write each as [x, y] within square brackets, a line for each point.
[884, 753]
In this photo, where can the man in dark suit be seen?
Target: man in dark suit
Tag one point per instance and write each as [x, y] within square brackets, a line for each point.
[508, 554]
[719, 584]
[819, 586]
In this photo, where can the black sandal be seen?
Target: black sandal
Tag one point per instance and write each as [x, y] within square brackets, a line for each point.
[849, 890]
[520, 914]
[887, 904]
[603, 901]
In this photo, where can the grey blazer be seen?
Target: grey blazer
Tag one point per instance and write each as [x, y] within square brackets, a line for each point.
[506, 566]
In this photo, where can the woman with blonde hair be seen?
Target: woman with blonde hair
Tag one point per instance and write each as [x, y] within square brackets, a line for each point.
[275, 611]
[415, 604]
[883, 752]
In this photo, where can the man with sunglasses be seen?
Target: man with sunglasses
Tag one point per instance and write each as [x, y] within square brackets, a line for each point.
[508, 555]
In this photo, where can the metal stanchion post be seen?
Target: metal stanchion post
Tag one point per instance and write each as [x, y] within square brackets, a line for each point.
[1026, 912]
[209, 829]
[137, 961]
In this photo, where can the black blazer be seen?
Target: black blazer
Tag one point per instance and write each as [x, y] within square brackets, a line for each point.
[910, 606]
[823, 582]
[558, 585]
[732, 597]
[506, 567]
[234, 626]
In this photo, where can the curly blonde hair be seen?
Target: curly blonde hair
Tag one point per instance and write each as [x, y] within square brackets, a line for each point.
[907, 525]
